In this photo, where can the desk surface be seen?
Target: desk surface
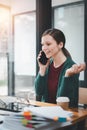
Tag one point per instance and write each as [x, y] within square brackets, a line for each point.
[79, 114]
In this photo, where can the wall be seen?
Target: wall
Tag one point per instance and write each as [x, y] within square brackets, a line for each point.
[5, 2]
[19, 6]
[29, 5]
[23, 6]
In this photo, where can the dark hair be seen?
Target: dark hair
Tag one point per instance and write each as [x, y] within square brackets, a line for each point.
[59, 36]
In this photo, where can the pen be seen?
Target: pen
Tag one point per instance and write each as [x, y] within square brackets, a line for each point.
[61, 119]
[26, 123]
[30, 123]
[30, 116]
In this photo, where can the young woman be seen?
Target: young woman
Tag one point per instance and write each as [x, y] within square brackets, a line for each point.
[60, 75]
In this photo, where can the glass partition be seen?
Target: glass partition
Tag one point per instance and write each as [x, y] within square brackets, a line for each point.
[4, 38]
[24, 51]
[70, 19]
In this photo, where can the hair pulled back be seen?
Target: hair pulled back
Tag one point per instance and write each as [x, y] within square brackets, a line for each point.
[58, 36]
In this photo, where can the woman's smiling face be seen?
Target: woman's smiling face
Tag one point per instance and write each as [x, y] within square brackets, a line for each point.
[50, 46]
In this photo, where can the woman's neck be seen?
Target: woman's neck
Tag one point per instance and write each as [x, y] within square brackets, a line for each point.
[59, 60]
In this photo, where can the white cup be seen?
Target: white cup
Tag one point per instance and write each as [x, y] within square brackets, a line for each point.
[63, 102]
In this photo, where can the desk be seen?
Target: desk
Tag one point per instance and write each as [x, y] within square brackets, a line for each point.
[79, 117]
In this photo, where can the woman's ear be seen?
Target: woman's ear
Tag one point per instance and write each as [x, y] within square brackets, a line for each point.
[61, 45]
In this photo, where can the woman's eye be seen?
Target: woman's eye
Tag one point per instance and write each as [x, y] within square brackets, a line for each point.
[48, 44]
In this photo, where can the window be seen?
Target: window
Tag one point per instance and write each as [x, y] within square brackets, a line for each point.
[24, 51]
[70, 19]
[4, 38]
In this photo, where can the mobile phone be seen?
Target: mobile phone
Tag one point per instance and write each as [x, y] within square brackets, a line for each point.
[43, 59]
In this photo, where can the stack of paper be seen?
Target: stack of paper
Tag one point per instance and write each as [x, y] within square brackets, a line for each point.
[40, 118]
[50, 112]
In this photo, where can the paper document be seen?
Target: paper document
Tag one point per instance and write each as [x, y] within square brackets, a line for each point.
[50, 112]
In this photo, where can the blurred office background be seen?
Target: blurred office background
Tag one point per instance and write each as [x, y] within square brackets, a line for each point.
[21, 25]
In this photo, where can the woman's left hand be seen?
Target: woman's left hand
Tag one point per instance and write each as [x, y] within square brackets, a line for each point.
[75, 69]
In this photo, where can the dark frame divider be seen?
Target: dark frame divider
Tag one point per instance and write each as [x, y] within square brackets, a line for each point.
[43, 22]
[84, 83]
[85, 28]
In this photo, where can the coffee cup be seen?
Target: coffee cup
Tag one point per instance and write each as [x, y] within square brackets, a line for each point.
[63, 102]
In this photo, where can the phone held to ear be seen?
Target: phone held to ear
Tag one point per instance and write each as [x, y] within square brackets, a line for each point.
[43, 59]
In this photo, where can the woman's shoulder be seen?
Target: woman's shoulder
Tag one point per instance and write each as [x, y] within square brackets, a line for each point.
[69, 62]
